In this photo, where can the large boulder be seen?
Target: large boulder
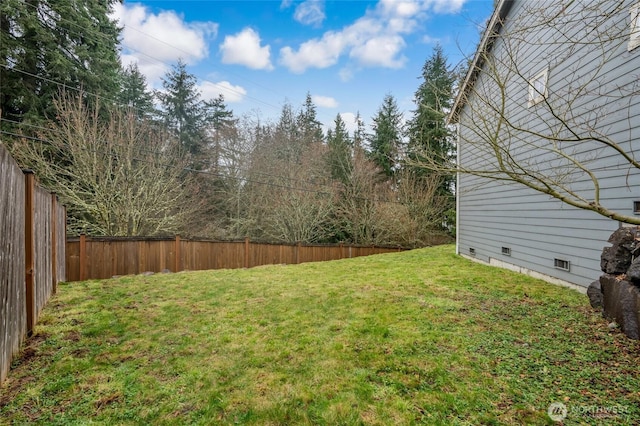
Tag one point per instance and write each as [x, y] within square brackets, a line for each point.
[594, 292]
[618, 290]
[617, 258]
[633, 273]
[621, 303]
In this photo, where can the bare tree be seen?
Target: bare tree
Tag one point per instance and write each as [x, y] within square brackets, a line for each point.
[542, 98]
[117, 175]
[426, 207]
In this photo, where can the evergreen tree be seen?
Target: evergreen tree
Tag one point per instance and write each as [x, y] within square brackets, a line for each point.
[184, 110]
[339, 154]
[359, 134]
[387, 135]
[220, 121]
[309, 127]
[286, 136]
[429, 138]
[46, 45]
[134, 93]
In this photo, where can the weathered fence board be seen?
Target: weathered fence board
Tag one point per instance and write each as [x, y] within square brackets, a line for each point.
[32, 254]
[104, 257]
[13, 317]
[43, 249]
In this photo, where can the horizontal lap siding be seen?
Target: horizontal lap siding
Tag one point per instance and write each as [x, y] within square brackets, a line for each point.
[13, 319]
[534, 226]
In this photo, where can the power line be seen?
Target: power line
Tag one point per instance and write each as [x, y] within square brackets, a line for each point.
[216, 174]
[81, 33]
[279, 177]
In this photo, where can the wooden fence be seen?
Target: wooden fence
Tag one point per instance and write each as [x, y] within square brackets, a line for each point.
[98, 258]
[32, 254]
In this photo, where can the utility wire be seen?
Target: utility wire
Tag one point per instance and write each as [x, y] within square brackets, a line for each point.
[216, 174]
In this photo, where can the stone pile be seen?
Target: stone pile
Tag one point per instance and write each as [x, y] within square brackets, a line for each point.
[617, 292]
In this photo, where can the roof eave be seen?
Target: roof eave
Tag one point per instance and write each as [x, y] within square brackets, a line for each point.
[493, 28]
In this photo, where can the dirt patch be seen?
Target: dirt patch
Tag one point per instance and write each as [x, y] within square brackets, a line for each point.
[73, 336]
[107, 400]
[13, 388]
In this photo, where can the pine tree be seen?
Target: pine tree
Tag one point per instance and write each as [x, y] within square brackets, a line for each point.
[386, 140]
[309, 126]
[220, 121]
[184, 110]
[46, 45]
[134, 93]
[286, 137]
[359, 134]
[339, 154]
[429, 138]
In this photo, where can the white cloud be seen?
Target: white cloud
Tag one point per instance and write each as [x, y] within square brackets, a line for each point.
[310, 12]
[155, 41]
[316, 53]
[374, 40]
[244, 49]
[345, 74]
[448, 6]
[380, 51]
[324, 101]
[350, 123]
[232, 94]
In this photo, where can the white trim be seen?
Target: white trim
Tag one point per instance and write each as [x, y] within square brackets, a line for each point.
[634, 27]
[535, 95]
[522, 270]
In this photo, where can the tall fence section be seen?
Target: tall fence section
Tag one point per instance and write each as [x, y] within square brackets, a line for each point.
[32, 254]
[98, 258]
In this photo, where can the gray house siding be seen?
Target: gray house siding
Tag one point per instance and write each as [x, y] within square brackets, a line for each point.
[535, 228]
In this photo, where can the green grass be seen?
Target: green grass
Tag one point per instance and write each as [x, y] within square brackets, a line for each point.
[420, 337]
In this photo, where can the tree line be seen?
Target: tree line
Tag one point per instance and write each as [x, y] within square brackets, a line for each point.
[127, 160]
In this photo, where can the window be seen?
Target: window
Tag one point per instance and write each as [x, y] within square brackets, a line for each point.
[472, 251]
[636, 207]
[506, 251]
[561, 264]
[634, 39]
[538, 87]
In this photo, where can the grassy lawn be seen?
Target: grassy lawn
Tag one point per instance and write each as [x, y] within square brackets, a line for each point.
[421, 337]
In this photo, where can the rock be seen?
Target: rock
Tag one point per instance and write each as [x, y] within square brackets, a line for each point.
[621, 303]
[147, 274]
[633, 273]
[615, 260]
[165, 271]
[594, 292]
[626, 237]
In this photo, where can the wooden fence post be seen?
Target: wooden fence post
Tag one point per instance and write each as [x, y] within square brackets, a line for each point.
[83, 257]
[177, 253]
[246, 252]
[29, 240]
[54, 243]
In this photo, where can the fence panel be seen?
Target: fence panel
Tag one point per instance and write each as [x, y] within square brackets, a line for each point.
[13, 318]
[43, 250]
[32, 254]
[104, 257]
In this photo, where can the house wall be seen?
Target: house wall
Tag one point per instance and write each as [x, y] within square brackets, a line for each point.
[592, 81]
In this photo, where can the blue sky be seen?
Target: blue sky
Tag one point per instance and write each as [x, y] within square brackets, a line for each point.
[260, 54]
